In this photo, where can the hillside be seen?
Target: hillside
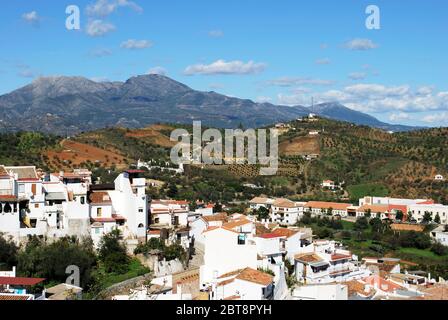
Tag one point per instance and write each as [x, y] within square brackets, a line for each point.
[71, 105]
[369, 161]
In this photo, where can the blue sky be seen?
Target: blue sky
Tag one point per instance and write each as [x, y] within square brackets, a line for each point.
[284, 52]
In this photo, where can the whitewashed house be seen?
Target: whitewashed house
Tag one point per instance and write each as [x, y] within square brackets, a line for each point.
[124, 206]
[198, 226]
[226, 250]
[324, 208]
[245, 284]
[169, 213]
[286, 212]
[258, 202]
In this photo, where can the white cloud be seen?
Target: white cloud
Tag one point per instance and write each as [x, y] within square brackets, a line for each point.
[100, 52]
[357, 75]
[157, 70]
[323, 61]
[324, 46]
[360, 44]
[397, 117]
[98, 28]
[26, 73]
[104, 8]
[263, 99]
[378, 98]
[298, 81]
[441, 117]
[31, 17]
[224, 67]
[216, 33]
[136, 44]
[100, 79]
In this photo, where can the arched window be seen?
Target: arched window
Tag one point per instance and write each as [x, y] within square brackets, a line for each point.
[141, 225]
[7, 208]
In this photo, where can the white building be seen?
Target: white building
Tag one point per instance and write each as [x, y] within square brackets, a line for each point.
[323, 208]
[225, 251]
[123, 206]
[328, 264]
[287, 212]
[440, 235]
[418, 212]
[246, 284]
[169, 213]
[258, 202]
[321, 292]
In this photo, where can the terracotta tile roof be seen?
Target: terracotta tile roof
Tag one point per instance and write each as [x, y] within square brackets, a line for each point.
[236, 223]
[100, 197]
[235, 297]
[8, 198]
[216, 217]
[308, 257]
[357, 287]
[427, 202]
[261, 229]
[260, 200]
[338, 256]
[284, 203]
[24, 173]
[255, 276]
[327, 205]
[375, 208]
[13, 297]
[103, 220]
[284, 232]
[3, 172]
[435, 292]
[154, 232]
[382, 284]
[118, 217]
[230, 274]
[407, 227]
[18, 281]
[269, 235]
[216, 228]
[225, 282]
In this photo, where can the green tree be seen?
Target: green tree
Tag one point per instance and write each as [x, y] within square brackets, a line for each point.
[262, 213]
[399, 215]
[437, 218]
[427, 218]
[113, 254]
[361, 224]
[8, 253]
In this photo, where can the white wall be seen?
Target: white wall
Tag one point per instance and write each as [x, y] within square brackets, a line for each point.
[222, 254]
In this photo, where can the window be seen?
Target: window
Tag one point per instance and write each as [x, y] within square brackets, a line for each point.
[36, 205]
[21, 188]
[140, 210]
[241, 239]
[83, 200]
[7, 208]
[97, 230]
[99, 212]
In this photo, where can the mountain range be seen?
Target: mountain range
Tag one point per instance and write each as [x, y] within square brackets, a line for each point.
[69, 105]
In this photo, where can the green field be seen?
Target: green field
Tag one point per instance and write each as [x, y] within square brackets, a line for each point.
[368, 189]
